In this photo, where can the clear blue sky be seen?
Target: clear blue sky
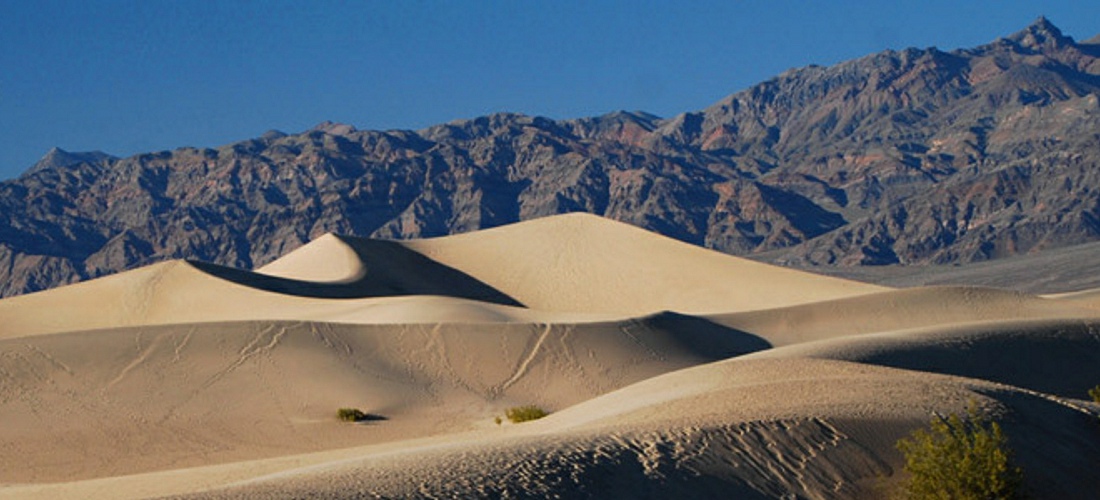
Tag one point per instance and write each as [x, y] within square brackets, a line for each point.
[127, 77]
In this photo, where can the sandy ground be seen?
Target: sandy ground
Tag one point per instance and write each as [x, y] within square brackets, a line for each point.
[669, 370]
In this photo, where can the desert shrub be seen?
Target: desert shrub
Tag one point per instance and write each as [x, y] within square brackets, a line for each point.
[1094, 393]
[350, 414]
[960, 459]
[524, 413]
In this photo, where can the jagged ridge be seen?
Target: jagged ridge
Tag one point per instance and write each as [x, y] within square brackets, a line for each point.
[912, 157]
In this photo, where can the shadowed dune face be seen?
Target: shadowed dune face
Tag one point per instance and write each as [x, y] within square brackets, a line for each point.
[432, 279]
[1057, 357]
[362, 268]
[668, 370]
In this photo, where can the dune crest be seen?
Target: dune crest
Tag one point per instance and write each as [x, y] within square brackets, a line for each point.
[327, 259]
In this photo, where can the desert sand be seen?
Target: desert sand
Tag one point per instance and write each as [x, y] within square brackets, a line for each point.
[667, 369]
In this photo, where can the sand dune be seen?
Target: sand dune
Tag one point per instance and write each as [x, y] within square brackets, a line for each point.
[123, 401]
[186, 378]
[1084, 298]
[746, 429]
[584, 263]
[897, 310]
[571, 268]
[328, 259]
[1057, 357]
[184, 292]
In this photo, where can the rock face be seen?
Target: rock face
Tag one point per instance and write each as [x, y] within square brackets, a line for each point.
[910, 157]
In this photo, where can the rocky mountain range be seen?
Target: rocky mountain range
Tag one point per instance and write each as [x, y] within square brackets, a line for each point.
[903, 157]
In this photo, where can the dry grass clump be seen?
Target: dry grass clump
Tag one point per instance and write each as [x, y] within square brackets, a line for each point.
[524, 413]
[351, 415]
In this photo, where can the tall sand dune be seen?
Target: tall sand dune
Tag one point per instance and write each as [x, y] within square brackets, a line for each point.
[584, 263]
[567, 268]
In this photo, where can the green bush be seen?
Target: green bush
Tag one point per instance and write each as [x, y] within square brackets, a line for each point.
[350, 414]
[960, 459]
[524, 413]
[1094, 393]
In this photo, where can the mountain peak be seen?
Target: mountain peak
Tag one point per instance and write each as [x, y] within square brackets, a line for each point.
[272, 135]
[333, 128]
[59, 158]
[1041, 34]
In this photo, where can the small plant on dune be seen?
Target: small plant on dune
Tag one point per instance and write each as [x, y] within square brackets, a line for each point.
[1094, 393]
[351, 414]
[524, 413]
[357, 415]
[959, 458]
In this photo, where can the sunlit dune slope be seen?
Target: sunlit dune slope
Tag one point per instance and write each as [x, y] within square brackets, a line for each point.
[584, 263]
[188, 292]
[746, 429]
[112, 402]
[328, 259]
[1083, 298]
